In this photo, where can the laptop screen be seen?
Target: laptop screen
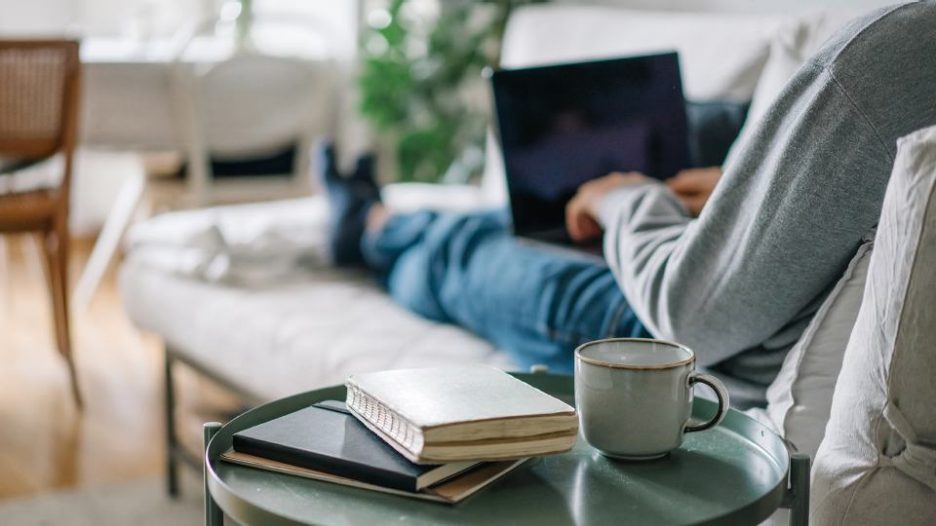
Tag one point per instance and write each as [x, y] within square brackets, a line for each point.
[560, 126]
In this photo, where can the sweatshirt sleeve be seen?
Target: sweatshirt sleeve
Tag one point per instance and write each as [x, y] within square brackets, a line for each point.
[797, 195]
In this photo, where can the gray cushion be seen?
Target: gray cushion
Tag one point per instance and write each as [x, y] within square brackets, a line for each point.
[800, 398]
[877, 462]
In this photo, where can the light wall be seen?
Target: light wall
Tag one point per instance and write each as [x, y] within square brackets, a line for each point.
[115, 18]
[90, 17]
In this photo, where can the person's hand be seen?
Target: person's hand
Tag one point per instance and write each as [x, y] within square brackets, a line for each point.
[582, 210]
[694, 186]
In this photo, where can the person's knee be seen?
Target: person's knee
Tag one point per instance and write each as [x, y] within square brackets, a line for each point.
[456, 237]
[411, 285]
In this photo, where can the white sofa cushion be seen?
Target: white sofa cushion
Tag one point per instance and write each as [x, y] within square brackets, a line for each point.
[308, 330]
[878, 458]
[799, 400]
[191, 276]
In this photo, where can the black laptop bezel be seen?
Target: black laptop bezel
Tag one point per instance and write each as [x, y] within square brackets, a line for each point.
[551, 234]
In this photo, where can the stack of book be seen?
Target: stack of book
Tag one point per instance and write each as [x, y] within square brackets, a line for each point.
[438, 434]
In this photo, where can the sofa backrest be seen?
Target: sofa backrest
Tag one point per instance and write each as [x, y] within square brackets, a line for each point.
[747, 6]
[877, 462]
[721, 54]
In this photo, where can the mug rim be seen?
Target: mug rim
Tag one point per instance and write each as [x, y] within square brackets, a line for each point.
[615, 365]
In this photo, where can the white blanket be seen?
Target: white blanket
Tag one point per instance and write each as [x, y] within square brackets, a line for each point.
[43, 175]
[244, 244]
[256, 244]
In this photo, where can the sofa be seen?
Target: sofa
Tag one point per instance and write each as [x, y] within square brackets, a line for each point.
[244, 293]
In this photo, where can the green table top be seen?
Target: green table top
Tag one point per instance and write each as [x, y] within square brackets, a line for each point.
[733, 474]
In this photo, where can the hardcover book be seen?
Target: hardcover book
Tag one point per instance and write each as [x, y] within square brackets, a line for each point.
[450, 491]
[326, 438]
[450, 414]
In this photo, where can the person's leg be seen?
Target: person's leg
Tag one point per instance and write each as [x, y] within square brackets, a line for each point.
[467, 269]
[350, 198]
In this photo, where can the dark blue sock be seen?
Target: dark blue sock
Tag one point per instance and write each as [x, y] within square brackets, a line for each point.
[349, 198]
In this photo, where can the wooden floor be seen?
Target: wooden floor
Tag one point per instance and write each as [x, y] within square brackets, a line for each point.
[45, 443]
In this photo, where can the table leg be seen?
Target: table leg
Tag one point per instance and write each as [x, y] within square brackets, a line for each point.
[118, 219]
[172, 475]
[797, 497]
[213, 515]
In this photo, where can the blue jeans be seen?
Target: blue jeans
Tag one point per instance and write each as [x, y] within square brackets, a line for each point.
[468, 269]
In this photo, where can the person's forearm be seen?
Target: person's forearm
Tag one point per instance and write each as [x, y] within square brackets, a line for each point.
[768, 245]
[647, 229]
[719, 284]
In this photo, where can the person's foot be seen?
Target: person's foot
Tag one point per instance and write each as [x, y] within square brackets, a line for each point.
[350, 199]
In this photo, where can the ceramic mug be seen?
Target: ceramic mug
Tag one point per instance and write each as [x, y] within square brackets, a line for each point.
[634, 396]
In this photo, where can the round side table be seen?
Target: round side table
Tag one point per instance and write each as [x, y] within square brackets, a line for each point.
[737, 473]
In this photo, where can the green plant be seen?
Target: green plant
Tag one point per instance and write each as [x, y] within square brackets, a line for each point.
[420, 84]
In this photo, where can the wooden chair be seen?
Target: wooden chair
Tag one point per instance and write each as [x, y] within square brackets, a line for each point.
[39, 90]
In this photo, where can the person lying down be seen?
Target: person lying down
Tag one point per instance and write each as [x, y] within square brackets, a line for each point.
[732, 263]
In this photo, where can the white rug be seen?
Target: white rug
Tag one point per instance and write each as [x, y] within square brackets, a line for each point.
[140, 503]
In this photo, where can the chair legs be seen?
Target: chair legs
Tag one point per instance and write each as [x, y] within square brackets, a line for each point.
[55, 250]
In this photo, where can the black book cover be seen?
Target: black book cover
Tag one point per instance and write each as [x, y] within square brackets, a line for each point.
[325, 437]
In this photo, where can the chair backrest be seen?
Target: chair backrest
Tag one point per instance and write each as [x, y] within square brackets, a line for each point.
[238, 99]
[252, 104]
[38, 96]
[39, 88]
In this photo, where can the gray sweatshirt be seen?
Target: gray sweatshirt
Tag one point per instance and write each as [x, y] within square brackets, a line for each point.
[740, 283]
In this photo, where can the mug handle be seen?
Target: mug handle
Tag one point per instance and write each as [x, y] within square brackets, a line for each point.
[720, 392]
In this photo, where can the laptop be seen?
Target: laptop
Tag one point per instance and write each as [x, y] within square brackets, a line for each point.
[560, 126]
